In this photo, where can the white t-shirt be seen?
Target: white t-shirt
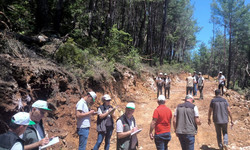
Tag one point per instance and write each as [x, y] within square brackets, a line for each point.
[17, 146]
[160, 82]
[221, 79]
[85, 121]
[194, 78]
[196, 112]
[119, 126]
[168, 80]
[200, 81]
[119, 129]
[109, 122]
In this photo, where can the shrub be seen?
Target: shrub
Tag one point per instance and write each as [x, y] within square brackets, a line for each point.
[118, 44]
[132, 60]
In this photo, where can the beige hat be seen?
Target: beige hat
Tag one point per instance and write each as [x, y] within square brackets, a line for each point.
[106, 97]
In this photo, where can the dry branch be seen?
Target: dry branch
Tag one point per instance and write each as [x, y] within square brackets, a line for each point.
[8, 20]
[247, 70]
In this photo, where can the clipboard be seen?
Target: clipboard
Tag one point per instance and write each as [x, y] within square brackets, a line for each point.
[112, 111]
[51, 142]
[137, 131]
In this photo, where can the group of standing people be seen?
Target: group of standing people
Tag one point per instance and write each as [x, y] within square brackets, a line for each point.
[163, 81]
[125, 125]
[26, 129]
[194, 81]
[185, 122]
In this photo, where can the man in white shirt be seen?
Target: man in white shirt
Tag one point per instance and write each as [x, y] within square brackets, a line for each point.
[125, 126]
[34, 137]
[201, 85]
[18, 125]
[83, 114]
[159, 82]
[221, 79]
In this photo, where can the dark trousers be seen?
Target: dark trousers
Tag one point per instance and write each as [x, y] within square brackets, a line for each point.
[189, 90]
[159, 90]
[201, 89]
[221, 128]
[167, 89]
[221, 86]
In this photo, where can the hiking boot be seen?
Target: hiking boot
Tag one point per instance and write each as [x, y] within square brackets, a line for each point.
[225, 147]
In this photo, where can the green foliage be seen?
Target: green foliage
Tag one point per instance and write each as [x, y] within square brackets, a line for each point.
[132, 60]
[84, 63]
[119, 43]
[69, 53]
[21, 17]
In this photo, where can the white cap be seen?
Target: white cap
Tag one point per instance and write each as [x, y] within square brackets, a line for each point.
[106, 97]
[161, 98]
[41, 104]
[165, 74]
[93, 95]
[220, 72]
[160, 73]
[22, 118]
[200, 73]
[189, 96]
[131, 105]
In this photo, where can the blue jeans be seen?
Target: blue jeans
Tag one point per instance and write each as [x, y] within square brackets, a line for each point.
[187, 141]
[161, 141]
[83, 137]
[223, 128]
[101, 135]
[195, 90]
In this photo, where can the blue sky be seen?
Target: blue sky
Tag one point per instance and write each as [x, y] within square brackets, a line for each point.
[202, 13]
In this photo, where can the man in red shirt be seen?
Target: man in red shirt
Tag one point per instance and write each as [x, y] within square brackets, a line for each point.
[161, 123]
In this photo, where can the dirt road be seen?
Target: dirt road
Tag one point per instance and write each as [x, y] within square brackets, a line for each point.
[206, 137]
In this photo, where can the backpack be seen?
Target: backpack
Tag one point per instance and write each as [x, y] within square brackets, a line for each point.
[200, 81]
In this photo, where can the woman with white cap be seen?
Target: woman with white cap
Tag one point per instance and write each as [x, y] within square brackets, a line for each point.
[105, 122]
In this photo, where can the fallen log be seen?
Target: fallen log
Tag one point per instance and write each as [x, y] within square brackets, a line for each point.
[41, 39]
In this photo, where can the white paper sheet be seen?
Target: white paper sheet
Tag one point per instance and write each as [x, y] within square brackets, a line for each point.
[137, 131]
[51, 142]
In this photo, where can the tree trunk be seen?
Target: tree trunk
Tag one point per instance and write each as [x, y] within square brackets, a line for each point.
[142, 26]
[42, 13]
[230, 54]
[163, 32]
[225, 48]
[58, 16]
[210, 64]
[149, 35]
